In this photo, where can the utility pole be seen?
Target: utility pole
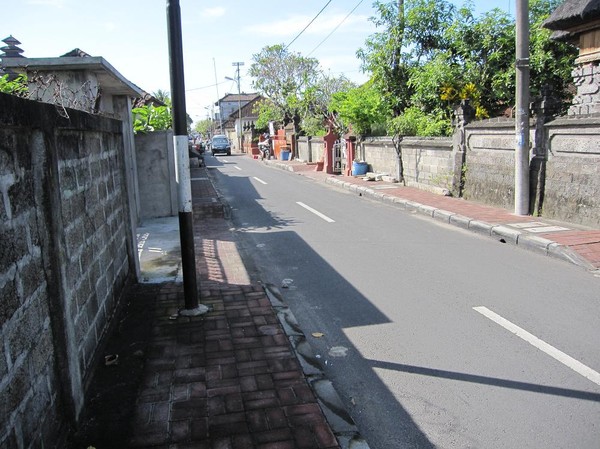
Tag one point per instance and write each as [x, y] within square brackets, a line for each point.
[182, 172]
[218, 98]
[238, 64]
[522, 109]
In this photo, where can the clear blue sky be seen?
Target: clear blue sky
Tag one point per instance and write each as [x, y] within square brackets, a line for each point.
[132, 34]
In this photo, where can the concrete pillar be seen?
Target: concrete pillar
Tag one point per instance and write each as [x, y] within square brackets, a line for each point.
[545, 109]
[350, 153]
[463, 115]
[122, 108]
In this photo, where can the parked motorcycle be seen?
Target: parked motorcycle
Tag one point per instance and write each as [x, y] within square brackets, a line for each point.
[264, 148]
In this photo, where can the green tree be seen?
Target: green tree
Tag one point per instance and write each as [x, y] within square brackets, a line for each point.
[151, 118]
[163, 96]
[444, 49]
[384, 59]
[267, 112]
[551, 61]
[315, 104]
[204, 126]
[358, 109]
[17, 86]
[283, 77]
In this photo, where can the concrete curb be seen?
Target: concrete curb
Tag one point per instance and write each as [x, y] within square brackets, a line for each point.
[340, 421]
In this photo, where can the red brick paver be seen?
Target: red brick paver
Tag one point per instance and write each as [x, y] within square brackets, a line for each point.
[230, 378]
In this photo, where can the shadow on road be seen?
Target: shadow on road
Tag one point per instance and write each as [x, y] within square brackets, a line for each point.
[262, 230]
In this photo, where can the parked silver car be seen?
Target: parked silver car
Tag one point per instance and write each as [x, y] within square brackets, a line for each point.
[220, 144]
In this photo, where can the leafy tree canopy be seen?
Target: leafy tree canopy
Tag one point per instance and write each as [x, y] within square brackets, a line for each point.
[428, 54]
[204, 126]
[295, 89]
[17, 86]
[151, 118]
[359, 108]
[283, 77]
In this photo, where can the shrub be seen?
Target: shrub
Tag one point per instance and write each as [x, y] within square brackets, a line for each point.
[414, 122]
[17, 86]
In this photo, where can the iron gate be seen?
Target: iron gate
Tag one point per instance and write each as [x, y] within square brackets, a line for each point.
[339, 156]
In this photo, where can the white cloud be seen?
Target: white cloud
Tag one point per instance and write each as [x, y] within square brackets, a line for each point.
[213, 12]
[51, 3]
[321, 26]
[110, 26]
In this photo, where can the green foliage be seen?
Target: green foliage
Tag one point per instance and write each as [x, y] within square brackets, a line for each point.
[17, 87]
[313, 126]
[267, 112]
[384, 59]
[296, 90]
[424, 48]
[426, 82]
[203, 127]
[162, 96]
[283, 77]
[359, 108]
[151, 118]
[551, 62]
[426, 25]
[314, 105]
[414, 122]
[425, 57]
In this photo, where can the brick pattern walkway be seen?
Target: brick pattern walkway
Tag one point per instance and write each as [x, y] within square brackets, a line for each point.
[230, 378]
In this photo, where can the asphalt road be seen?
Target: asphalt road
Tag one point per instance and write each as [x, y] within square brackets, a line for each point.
[433, 336]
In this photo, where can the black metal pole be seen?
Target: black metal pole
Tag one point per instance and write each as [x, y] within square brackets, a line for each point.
[180, 140]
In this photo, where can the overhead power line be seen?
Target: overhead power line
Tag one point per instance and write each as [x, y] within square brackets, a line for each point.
[309, 23]
[335, 29]
[205, 87]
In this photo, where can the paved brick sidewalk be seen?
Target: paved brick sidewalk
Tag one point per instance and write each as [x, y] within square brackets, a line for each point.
[230, 378]
[575, 244]
[226, 380]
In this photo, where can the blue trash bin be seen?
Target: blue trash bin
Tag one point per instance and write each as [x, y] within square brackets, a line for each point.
[285, 155]
[359, 168]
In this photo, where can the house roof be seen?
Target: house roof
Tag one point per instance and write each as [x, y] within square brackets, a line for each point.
[247, 112]
[109, 78]
[573, 13]
[229, 98]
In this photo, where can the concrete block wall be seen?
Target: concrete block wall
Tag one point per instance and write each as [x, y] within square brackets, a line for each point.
[564, 164]
[490, 162]
[156, 174]
[64, 262]
[90, 176]
[379, 153]
[303, 147]
[317, 149]
[310, 149]
[427, 162]
[30, 399]
[572, 182]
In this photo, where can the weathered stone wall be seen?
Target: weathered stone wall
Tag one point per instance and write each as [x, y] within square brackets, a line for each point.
[64, 261]
[489, 165]
[303, 148]
[489, 171]
[156, 174]
[30, 400]
[379, 154]
[310, 149]
[427, 161]
[572, 182]
[478, 162]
